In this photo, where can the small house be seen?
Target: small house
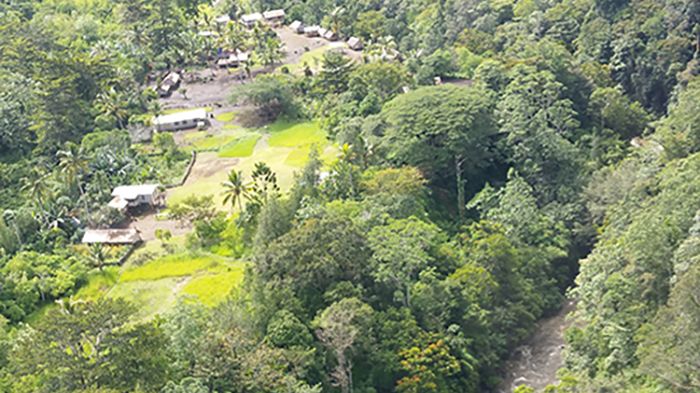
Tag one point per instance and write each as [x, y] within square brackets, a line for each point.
[330, 35]
[169, 84]
[222, 19]
[311, 31]
[322, 31]
[297, 27]
[111, 236]
[355, 43]
[249, 20]
[133, 196]
[228, 61]
[198, 118]
[274, 17]
[243, 57]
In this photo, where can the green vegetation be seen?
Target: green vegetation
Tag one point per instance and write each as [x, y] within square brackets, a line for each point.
[175, 265]
[225, 117]
[211, 289]
[285, 134]
[407, 213]
[241, 147]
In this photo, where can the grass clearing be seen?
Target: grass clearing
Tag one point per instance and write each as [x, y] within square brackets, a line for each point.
[225, 117]
[213, 288]
[175, 265]
[150, 297]
[286, 134]
[213, 143]
[241, 147]
[99, 283]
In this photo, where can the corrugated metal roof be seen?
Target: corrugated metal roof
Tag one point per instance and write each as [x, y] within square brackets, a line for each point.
[273, 14]
[254, 17]
[197, 114]
[132, 192]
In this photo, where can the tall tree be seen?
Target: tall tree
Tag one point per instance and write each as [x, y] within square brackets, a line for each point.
[444, 130]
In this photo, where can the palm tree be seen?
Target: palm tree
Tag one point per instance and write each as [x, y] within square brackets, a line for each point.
[37, 188]
[97, 256]
[112, 103]
[235, 189]
[271, 52]
[335, 19]
[71, 165]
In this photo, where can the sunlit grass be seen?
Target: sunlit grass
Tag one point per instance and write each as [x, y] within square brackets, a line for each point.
[241, 147]
[99, 283]
[225, 117]
[149, 297]
[176, 265]
[285, 134]
[213, 143]
[212, 288]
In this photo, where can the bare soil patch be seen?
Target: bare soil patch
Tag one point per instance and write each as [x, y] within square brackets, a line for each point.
[208, 164]
[148, 224]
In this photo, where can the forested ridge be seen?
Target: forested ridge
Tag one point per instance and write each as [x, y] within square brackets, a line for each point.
[477, 163]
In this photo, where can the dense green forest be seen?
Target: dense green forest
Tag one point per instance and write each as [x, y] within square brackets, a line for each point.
[491, 159]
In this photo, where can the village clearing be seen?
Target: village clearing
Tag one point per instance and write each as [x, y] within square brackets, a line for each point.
[159, 275]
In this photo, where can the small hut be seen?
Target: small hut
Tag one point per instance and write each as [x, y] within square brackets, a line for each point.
[355, 43]
[297, 27]
[274, 17]
[249, 20]
[135, 196]
[311, 31]
[330, 35]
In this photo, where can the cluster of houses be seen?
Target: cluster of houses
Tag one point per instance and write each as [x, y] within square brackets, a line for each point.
[125, 199]
[238, 58]
[233, 59]
[299, 27]
[272, 17]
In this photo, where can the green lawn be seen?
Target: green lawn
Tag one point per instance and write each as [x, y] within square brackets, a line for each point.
[150, 297]
[241, 147]
[213, 143]
[211, 289]
[286, 134]
[225, 117]
[174, 265]
[99, 283]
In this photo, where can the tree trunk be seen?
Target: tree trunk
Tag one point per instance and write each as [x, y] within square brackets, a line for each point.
[461, 203]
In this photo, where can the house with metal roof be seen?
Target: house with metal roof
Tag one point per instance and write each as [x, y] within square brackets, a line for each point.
[297, 26]
[249, 20]
[355, 43]
[131, 196]
[274, 17]
[197, 118]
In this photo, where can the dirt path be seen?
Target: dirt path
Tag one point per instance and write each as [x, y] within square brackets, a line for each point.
[536, 362]
[148, 224]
